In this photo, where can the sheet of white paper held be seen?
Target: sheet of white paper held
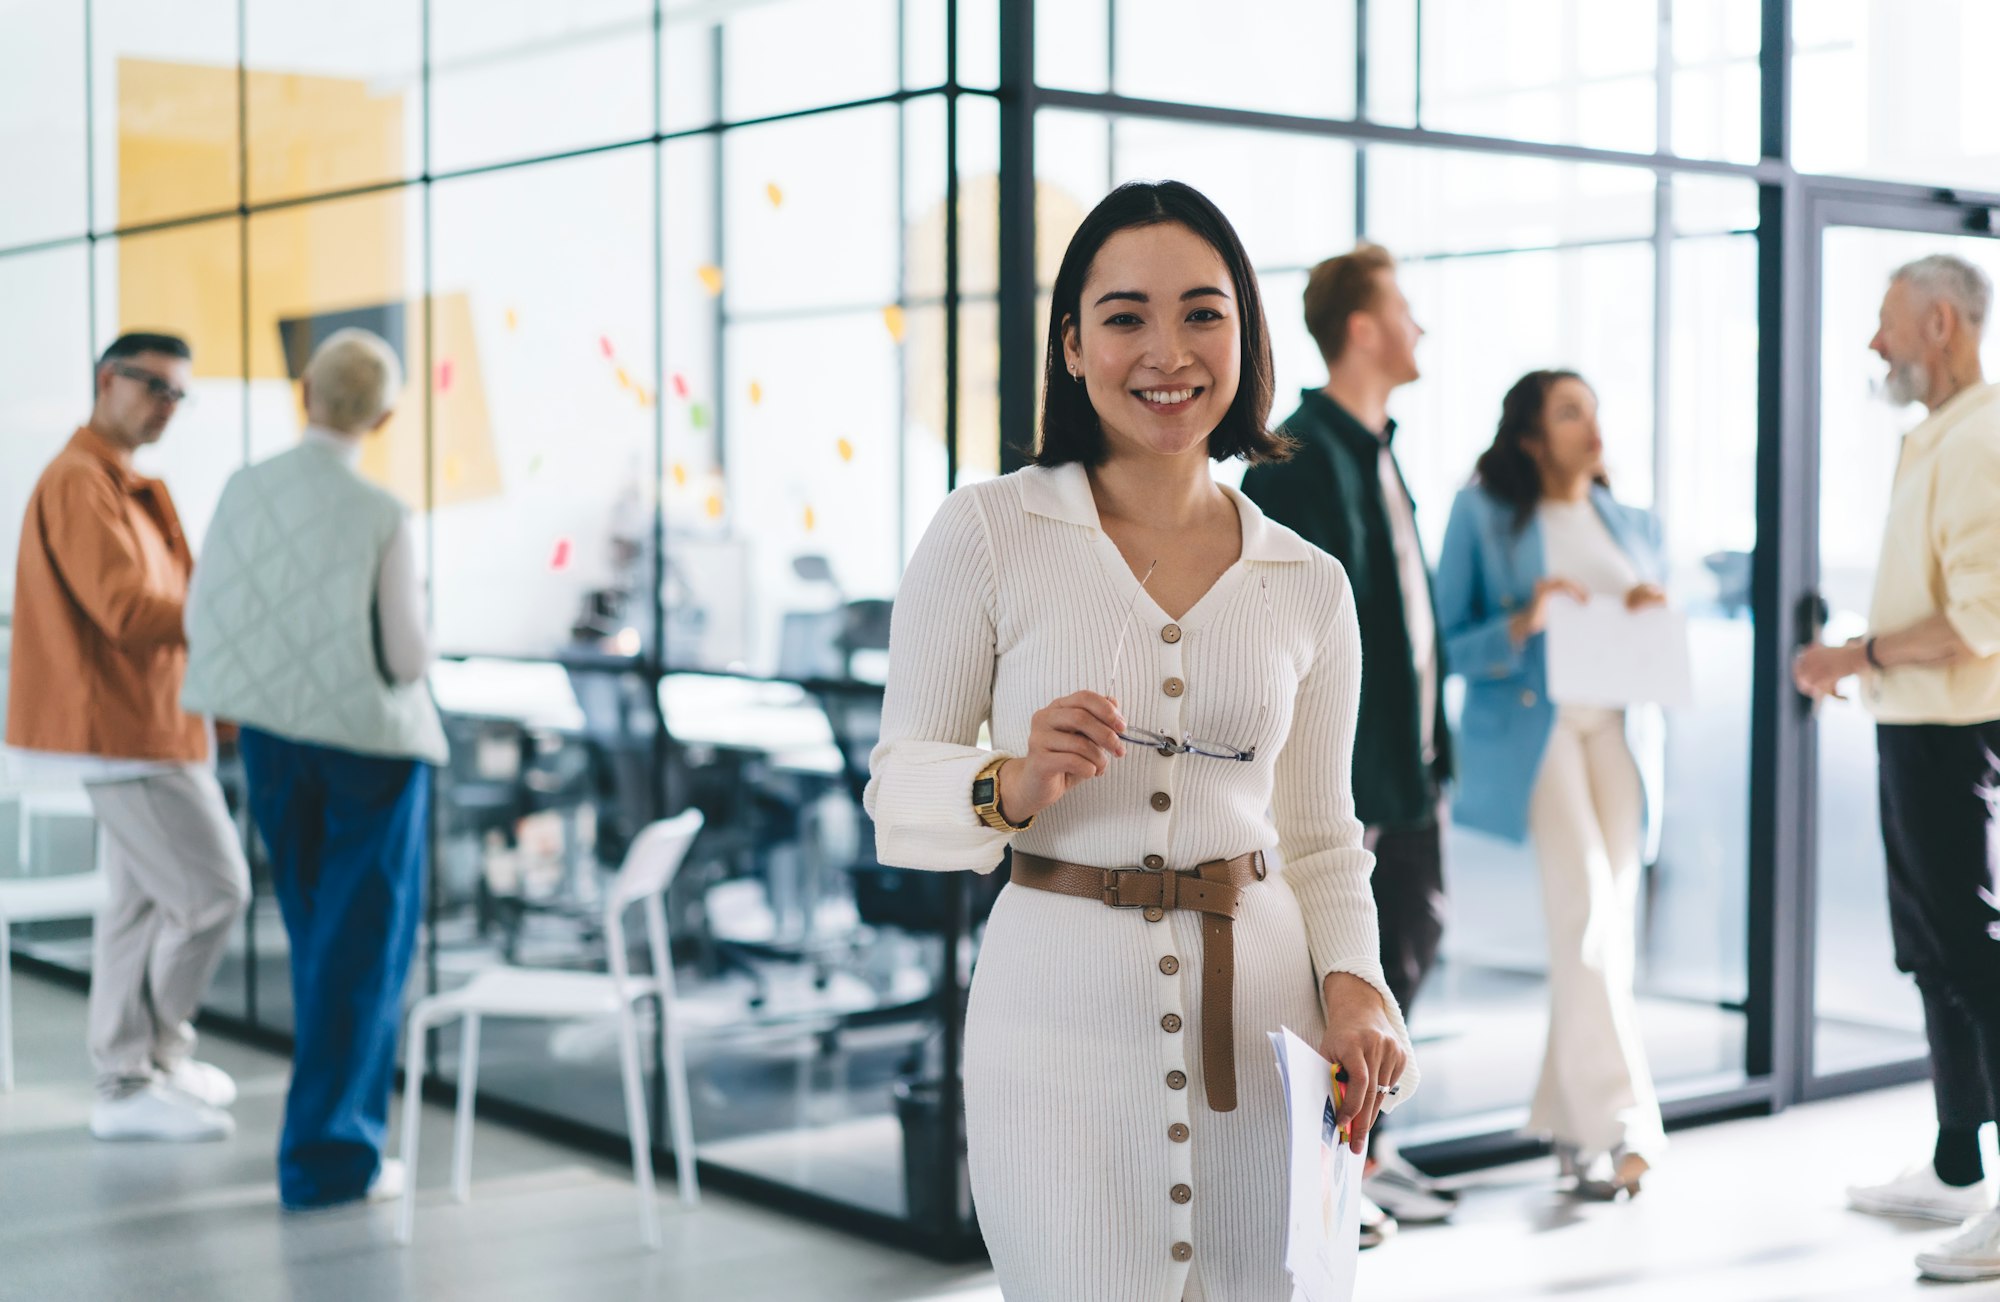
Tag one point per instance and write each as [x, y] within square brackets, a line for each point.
[1603, 654]
[1323, 1233]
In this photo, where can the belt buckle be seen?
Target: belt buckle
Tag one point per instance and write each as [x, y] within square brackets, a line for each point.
[1112, 898]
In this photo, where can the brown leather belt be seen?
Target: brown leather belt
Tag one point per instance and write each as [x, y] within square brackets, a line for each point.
[1214, 890]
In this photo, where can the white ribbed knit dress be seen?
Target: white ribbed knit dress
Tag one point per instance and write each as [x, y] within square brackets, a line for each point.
[1013, 599]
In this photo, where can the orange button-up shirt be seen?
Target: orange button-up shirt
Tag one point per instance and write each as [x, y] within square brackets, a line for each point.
[98, 651]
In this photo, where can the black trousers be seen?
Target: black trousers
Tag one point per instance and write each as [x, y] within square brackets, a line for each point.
[1409, 901]
[1940, 791]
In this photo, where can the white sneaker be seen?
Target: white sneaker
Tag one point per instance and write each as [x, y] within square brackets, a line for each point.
[1918, 1192]
[1973, 1253]
[204, 1081]
[1405, 1192]
[387, 1186]
[1377, 1226]
[159, 1112]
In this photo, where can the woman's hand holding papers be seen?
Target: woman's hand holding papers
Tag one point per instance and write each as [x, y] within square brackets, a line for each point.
[1362, 1040]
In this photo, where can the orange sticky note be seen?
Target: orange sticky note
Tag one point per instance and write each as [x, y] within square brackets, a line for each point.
[711, 278]
[774, 194]
[714, 506]
[756, 393]
[892, 317]
[810, 520]
[845, 449]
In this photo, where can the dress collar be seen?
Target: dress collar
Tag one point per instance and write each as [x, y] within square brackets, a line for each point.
[1063, 493]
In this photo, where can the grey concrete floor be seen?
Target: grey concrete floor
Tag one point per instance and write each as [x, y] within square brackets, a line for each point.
[82, 1221]
[1744, 1212]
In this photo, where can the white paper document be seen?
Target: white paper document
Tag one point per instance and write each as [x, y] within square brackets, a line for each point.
[1603, 654]
[1323, 1227]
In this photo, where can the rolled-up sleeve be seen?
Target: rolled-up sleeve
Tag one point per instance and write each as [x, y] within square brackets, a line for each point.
[1966, 522]
[1319, 837]
[940, 690]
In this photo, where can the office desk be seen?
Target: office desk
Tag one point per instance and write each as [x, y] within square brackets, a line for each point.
[778, 720]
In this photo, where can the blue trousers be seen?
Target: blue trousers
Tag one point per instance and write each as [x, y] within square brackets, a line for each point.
[347, 835]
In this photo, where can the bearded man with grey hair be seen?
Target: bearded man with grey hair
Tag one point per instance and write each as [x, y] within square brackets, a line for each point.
[1930, 674]
[305, 626]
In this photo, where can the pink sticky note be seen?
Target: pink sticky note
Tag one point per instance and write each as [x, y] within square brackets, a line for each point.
[604, 344]
[559, 560]
[680, 385]
[444, 376]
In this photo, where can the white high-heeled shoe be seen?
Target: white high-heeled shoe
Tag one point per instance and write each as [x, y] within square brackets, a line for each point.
[1605, 1177]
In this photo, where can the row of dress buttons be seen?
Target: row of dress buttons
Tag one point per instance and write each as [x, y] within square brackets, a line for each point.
[1176, 1080]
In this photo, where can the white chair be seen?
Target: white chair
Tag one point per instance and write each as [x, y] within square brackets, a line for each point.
[37, 899]
[544, 994]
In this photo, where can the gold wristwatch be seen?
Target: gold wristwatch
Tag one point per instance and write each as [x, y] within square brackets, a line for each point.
[986, 798]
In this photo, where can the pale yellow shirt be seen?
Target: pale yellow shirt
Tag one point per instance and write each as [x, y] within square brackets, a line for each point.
[1941, 552]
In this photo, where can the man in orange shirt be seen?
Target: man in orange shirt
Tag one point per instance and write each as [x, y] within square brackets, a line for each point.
[94, 697]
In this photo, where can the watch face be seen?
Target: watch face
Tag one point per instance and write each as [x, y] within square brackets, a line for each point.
[982, 792]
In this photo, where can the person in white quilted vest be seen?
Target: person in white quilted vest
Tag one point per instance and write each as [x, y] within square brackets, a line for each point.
[305, 627]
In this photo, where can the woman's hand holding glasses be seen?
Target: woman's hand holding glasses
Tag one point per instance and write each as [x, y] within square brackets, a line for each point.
[1070, 741]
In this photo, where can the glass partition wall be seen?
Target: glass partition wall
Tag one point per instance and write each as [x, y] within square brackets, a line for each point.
[700, 327]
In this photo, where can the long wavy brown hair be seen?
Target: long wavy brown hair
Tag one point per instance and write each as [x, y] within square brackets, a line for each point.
[1507, 470]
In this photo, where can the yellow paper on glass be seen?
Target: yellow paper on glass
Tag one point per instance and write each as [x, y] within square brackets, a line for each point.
[711, 279]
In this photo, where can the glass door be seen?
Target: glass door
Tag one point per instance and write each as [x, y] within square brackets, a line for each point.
[1864, 1024]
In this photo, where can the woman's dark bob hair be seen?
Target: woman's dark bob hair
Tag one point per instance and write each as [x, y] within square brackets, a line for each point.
[1070, 428]
[1507, 470]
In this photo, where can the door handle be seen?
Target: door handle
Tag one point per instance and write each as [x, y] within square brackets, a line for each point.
[1809, 617]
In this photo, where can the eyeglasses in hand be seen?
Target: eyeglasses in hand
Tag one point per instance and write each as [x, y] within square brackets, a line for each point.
[1186, 744]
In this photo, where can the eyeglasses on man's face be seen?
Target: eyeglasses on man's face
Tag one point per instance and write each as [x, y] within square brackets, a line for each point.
[1186, 743]
[158, 387]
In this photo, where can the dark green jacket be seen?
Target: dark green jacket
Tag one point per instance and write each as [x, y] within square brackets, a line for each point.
[1330, 494]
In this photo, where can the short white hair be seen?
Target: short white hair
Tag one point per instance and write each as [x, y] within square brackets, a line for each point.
[352, 381]
[1946, 278]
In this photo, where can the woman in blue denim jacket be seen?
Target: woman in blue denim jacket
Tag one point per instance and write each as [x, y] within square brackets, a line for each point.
[1537, 526]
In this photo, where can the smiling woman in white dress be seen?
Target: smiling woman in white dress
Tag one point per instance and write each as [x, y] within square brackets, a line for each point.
[1162, 670]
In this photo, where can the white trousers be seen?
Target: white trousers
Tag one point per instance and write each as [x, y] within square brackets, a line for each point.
[1596, 1091]
[178, 884]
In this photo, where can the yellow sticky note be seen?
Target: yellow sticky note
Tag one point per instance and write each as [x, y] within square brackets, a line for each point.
[845, 448]
[711, 278]
[645, 395]
[454, 470]
[892, 317]
[680, 474]
[513, 319]
[810, 521]
[756, 393]
[714, 506]
[774, 194]
[624, 378]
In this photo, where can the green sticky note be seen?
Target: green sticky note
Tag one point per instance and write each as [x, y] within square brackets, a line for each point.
[698, 415]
